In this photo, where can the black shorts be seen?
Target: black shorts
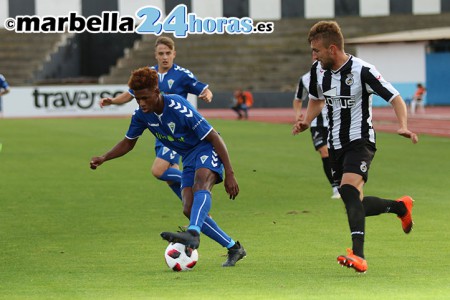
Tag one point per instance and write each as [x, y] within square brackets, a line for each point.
[354, 158]
[319, 136]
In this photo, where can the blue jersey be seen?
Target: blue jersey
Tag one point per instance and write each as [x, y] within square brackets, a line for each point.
[179, 81]
[3, 84]
[180, 127]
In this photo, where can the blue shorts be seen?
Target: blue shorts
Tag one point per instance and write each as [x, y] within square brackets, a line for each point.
[167, 154]
[203, 157]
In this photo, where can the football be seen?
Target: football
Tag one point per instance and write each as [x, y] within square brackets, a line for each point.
[179, 258]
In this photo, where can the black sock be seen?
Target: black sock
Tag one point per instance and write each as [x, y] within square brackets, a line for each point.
[327, 169]
[374, 206]
[356, 217]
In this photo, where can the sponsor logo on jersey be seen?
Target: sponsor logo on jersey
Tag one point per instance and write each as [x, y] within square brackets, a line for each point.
[334, 100]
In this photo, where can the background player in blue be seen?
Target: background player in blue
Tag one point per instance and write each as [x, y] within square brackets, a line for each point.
[173, 79]
[4, 88]
[178, 125]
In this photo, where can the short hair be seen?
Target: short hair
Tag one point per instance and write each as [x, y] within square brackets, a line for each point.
[143, 78]
[329, 32]
[164, 40]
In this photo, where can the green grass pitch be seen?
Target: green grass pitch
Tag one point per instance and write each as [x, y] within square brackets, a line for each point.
[67, 232]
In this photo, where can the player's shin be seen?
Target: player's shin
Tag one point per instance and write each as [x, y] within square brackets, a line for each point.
[200, 209]
[356, 217]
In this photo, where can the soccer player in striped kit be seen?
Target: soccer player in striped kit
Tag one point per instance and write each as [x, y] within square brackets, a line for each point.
[345, 84]
[319, 130]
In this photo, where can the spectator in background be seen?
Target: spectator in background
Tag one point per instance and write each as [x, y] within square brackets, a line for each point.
[417, 99]
[4, 88]
[243, 100]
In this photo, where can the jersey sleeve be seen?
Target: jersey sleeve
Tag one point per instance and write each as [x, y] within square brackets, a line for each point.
[192, 118]
[193, 86]
[376, 84]
[137, 126]
[315, 93]
[300, 89]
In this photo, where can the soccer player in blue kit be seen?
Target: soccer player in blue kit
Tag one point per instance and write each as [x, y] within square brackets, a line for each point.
[179, 126]
[173, 79]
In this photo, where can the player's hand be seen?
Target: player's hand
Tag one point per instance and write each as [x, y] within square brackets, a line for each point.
[300, 117]
[105, 102]
[206, 96]
[231, 186]
[408, 134]
[96, 161]
[300, 126]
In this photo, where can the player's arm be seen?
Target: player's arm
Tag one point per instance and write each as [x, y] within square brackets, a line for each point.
[297, 105]
[402, 116]
[206, 95]
[230, 182]
[313, 110]
[120, 99]
[4, 91]
[122, 148]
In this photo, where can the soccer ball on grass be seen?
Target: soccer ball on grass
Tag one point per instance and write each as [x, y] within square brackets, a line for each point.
[179, 258]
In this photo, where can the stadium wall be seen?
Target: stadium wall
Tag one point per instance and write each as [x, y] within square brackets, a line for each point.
[256, 9]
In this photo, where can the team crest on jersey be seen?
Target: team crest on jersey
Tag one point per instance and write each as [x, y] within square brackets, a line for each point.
[171, 126]
[170, 83]
[203, 158]
[165, 150]
[363, 167]
[349, 79]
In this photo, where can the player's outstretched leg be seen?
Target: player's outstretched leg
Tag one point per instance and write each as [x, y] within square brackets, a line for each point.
[235, 253]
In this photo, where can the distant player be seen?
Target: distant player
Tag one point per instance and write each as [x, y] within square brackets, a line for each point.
[4, 88]
[179, 126]
[345, 84]
[319, 130]
[172, 79]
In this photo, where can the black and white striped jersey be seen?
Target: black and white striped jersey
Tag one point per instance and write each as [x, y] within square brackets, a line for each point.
[302, 94]
[348, 95]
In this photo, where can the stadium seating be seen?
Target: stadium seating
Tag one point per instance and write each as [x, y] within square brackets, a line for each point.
[22, 55]
[264, 62]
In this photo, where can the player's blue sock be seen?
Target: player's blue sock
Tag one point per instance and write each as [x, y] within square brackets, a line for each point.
[174, 175]
[213, 231]
[200, 209]
[176, 188]
[171, 174]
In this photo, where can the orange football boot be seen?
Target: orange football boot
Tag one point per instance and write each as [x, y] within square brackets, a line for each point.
[353, 261]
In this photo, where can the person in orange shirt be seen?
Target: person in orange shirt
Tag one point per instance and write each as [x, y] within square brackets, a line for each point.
[417, 99]
[243, 101]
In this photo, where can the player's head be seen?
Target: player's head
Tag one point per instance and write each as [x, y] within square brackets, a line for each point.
[326, 40]
[164, 53]
[144, 83]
